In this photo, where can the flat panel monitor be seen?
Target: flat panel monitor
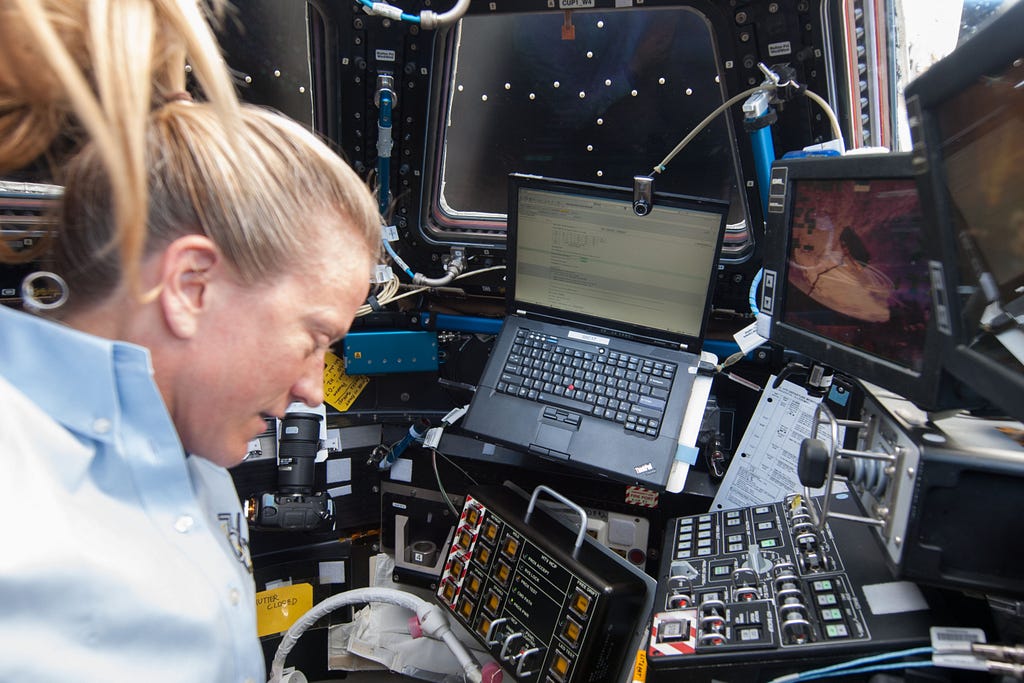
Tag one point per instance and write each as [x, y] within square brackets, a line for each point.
[967, 124]
[847, 279]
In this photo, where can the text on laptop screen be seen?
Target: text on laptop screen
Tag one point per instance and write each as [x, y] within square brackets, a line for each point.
[595, 256]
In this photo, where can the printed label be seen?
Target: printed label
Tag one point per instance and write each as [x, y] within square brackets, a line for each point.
[638, 495]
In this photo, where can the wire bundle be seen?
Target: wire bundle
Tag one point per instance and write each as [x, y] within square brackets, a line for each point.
[863, 665]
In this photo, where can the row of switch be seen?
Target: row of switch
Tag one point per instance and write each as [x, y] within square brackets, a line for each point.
[481, 571]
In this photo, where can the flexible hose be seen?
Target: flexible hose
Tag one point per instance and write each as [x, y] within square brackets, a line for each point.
[430, 19]
[431, 619]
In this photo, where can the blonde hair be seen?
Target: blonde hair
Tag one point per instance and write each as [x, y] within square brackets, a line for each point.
[92, 70]
[266, 210]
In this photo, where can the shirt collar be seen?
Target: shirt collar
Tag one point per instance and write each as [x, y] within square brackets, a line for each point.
[70, 375]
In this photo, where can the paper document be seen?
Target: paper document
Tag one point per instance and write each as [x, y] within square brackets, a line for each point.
[763, 468]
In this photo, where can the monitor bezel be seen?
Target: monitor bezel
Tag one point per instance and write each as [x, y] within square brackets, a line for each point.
[693, 343]
[923, 387]
[993, 48]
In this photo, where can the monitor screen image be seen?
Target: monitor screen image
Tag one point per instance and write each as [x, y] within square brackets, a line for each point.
[857, 273]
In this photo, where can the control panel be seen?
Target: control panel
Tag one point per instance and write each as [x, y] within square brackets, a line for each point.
[939, 495]
[764, 584]
[548, 602]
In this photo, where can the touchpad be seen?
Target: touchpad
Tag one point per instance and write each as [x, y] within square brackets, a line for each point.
[554, 438]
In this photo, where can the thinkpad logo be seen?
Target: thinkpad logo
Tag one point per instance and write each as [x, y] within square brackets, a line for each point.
[647, 468]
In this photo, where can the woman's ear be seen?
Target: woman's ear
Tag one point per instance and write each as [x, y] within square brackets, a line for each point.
[187, 267]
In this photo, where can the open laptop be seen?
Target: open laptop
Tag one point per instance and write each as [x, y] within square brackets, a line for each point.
[595, 363]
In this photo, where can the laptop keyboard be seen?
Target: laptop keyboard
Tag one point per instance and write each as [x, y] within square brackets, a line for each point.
[629, 390]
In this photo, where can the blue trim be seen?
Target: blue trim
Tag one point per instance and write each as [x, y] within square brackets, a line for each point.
[463, 323]
[764, 155]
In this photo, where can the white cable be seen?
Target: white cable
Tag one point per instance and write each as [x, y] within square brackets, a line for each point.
[385, 296]
[480, 270]
[417, 290]
[703, 124]
[431, 619]
[833, 121]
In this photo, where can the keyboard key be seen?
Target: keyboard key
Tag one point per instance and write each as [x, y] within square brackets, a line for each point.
[653, 403]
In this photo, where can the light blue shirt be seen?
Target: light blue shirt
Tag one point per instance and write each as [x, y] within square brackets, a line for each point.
[121, 559]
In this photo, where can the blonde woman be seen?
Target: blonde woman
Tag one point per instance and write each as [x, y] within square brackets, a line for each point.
[211, 254]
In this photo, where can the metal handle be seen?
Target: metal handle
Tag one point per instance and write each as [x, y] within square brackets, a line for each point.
[823, 415]
[580, 511]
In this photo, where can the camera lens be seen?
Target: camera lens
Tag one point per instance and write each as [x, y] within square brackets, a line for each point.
[300, 440]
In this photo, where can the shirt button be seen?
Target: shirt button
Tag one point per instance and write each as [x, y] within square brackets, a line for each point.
[101, 425]
[234, 596]
[184, 524]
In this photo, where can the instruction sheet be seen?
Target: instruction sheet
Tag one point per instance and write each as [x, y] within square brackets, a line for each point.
[763, 468]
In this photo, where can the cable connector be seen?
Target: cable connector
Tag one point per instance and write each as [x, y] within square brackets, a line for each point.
[433, 437]
[454, 415]
[456, 266]
[706, 369]
[999, 653]
[381, 274]
[386, 456]
[384, 10]
[781, 80]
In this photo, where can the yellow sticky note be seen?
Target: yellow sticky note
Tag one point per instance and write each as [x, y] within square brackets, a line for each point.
[277, 609]
[341, 390]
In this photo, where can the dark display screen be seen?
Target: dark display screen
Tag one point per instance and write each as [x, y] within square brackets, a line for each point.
[983, 156]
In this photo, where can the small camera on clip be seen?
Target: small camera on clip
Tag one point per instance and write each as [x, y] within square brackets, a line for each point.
[643, 195]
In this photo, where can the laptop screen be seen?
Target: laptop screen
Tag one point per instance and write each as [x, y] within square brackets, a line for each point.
[581, 251]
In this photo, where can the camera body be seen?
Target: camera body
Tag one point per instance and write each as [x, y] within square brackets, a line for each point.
[294, 506]
[295, 511]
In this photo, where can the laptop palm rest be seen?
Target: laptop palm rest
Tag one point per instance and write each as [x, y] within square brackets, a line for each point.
[553, 440]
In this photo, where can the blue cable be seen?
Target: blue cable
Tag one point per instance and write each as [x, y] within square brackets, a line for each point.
[411, 18]
[397, 259]
[752, 297]
[845, 666]
[869, 669]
